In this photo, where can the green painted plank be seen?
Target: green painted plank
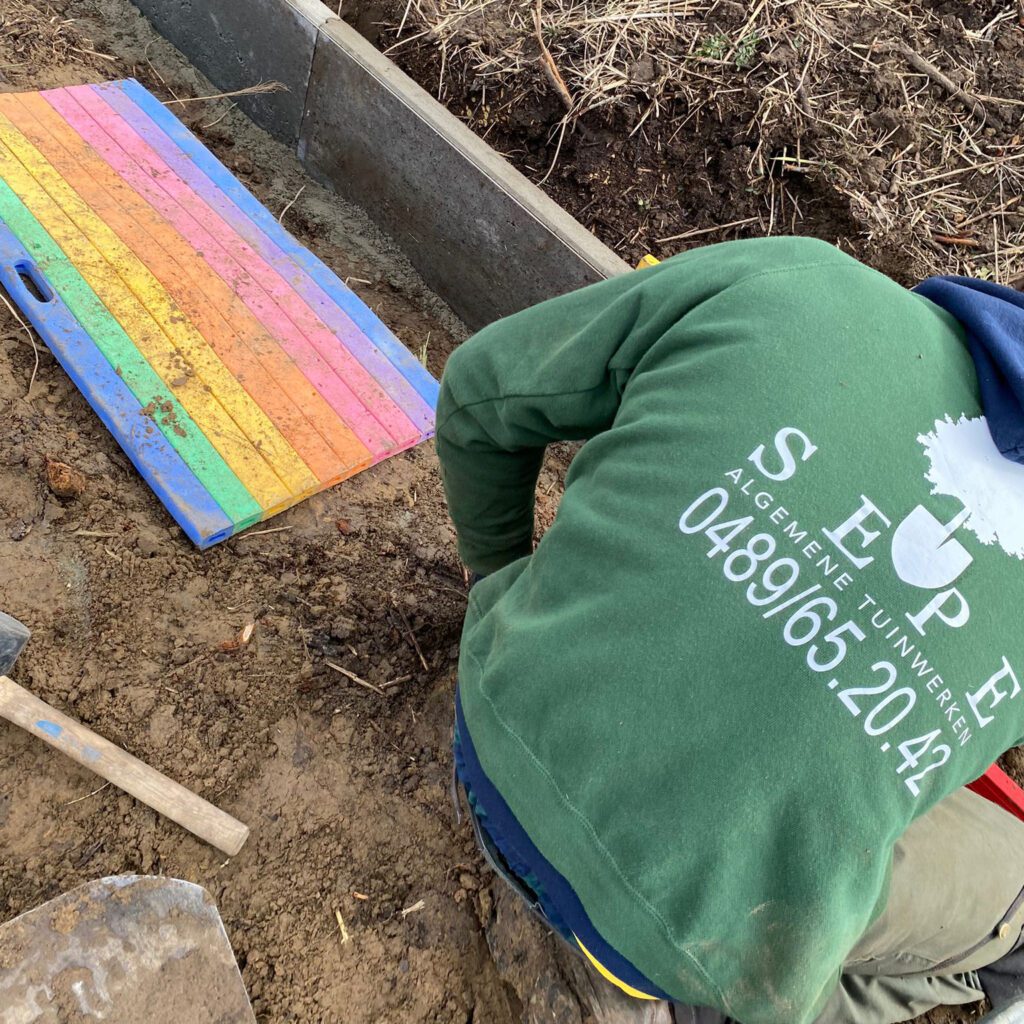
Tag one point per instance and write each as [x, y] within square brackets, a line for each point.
[144, 383]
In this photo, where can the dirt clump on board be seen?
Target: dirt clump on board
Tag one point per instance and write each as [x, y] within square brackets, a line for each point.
[357, 898]
[890, 129]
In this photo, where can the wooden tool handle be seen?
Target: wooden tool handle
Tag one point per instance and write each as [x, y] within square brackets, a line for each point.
[115, 765]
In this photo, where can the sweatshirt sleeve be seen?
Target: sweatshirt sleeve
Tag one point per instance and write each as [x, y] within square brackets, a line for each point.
[557, 372]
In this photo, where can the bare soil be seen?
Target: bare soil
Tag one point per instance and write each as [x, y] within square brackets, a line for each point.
[358, 898]
[732, 119]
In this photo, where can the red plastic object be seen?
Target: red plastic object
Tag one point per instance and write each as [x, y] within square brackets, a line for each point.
[997, 786]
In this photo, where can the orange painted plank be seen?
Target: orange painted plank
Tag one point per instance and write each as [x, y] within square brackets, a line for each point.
[296, 408]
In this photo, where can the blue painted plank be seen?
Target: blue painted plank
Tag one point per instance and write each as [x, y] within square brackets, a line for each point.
[233, 190]
[186, 499]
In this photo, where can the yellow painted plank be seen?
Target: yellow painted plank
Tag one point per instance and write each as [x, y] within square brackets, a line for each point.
[246, 438]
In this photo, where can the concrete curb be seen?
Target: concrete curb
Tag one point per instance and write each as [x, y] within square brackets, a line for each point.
[486, 239]
[237, 43]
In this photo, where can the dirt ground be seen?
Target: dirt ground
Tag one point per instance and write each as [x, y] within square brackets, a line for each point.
[693, 121]
[346, 791]
[358, 898]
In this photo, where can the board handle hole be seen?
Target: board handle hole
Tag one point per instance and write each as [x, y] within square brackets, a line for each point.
[34, 282]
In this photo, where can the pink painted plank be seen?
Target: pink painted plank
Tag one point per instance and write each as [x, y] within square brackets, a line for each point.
[319, 373]
[299, 321]
[317, 285]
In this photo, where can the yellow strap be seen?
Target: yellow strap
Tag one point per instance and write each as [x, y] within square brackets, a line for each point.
[647, 261]
[247, 440]
[608, 976]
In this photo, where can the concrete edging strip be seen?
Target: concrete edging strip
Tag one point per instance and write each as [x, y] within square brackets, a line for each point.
[238, 43]
[484, 237]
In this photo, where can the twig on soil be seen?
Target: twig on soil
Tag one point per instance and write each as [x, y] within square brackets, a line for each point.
[926, 67]
[92, 533]
[94, 53]
[985, 214]
[250, 90]
[87, 795]
[152, 67]
[418, 905]
[548, 63]
[999, 99]
[341, 927]
[355, 679]
[971, 243]
[32, 341]
[257, 533]
[558, 150]
[410, 635]
[982, 165]
[280, 220]
[708, 231]
[188, 664]
[210, 124]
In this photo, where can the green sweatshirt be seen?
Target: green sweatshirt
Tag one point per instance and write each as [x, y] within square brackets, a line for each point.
[777, 616]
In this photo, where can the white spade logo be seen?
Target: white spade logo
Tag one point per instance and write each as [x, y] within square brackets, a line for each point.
[924, 552]
[965, 464]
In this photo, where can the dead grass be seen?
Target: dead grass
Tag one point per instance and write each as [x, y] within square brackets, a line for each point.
[911, 118]
[29, 36]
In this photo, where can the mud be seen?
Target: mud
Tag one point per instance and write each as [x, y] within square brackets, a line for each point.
[358, 898]
[137, 634]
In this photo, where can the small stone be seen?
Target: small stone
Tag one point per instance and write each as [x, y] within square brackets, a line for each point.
[63, 480]
[148, 546]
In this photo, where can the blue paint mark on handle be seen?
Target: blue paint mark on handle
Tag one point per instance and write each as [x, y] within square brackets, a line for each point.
[71, 743]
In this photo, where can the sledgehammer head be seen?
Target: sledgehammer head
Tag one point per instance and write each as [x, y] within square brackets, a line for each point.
[13, 637]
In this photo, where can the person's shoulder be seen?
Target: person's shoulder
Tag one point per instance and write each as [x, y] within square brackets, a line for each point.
[751, 258]
[787, 252]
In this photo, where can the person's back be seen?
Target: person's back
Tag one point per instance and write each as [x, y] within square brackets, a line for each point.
[775, 620]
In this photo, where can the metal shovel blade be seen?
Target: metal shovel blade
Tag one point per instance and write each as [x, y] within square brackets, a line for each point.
[122, 950]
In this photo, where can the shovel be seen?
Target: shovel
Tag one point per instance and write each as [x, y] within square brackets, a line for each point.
[131, 949]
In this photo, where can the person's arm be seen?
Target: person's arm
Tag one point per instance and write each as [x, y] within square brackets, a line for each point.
[557, 372]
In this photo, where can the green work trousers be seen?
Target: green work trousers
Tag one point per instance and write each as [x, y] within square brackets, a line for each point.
[952, 923]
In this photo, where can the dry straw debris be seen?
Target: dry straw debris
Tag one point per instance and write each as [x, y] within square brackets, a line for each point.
[29, 35]
[912, 119]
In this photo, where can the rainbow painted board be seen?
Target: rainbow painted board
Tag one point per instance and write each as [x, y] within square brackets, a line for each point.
[233, 367]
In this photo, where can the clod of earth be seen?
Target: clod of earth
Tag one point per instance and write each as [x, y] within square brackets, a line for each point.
[64, 480]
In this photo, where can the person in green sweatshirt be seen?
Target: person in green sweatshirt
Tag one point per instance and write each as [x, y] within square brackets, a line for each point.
[716, 727]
